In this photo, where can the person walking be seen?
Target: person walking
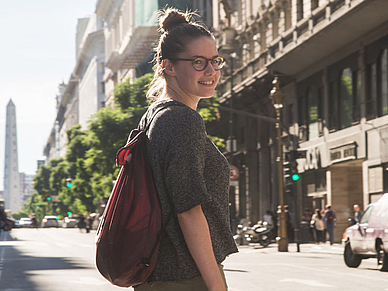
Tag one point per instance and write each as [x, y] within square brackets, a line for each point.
[290, 224]
[330, 219]
[357, 213]
[190, 173]
[319, 227]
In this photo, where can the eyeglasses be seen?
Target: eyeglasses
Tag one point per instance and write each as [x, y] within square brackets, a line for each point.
[200, 63]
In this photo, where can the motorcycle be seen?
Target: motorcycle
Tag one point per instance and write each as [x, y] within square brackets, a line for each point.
[262, 233]
[7, 224]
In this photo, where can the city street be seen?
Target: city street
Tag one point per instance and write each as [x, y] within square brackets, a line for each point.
[63, 259]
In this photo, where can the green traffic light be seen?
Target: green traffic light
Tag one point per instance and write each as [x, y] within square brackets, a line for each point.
[48, 198]
[295, 177]
[69, 185]
[68, 213]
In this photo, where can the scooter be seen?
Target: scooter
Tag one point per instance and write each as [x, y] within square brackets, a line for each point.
[261, 233]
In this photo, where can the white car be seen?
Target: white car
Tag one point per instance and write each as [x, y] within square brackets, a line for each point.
[25, 222]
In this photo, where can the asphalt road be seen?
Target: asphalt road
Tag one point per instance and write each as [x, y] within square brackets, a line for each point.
[63, 259]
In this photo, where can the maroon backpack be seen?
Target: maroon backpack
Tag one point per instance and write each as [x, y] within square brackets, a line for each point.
[127, 237]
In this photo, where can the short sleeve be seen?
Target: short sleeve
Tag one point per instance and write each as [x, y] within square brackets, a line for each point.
[186, 162]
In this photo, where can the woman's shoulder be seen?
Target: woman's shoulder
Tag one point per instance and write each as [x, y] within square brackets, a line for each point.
[175, 114]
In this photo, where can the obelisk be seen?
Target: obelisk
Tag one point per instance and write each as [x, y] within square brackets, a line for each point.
[11, 192]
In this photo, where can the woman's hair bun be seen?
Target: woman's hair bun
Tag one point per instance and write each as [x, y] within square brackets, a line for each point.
[171, 18]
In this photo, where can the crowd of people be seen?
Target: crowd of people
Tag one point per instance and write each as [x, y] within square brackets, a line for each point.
[321, 222]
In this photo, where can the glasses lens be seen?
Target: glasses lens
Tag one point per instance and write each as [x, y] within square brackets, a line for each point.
[218, 63]
[199, 63]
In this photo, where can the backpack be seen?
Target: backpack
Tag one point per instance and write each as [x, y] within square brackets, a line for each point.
[127, 238]
[330, 217]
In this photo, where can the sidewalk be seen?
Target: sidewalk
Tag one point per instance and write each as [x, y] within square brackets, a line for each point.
[335, 249]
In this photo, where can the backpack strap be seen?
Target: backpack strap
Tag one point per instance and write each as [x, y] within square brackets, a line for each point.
[146, 261]
[164, 106]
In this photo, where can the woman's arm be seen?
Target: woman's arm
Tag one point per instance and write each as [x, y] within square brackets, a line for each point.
[196, 232]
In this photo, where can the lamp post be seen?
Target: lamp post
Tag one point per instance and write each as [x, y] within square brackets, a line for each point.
[231, 148]
[277, 100]
[231, 143]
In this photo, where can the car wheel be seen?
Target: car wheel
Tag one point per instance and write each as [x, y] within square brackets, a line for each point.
[382, 258]
[351, 260]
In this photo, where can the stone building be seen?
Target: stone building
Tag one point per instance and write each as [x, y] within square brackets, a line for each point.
[331, 59]
[131, 34]
[84, 94]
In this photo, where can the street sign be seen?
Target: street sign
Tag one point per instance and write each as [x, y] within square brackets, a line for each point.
[233, 173]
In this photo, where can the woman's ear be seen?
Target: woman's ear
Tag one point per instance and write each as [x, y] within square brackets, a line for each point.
[168, 67]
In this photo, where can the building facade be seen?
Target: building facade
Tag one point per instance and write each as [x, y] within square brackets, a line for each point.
[131, 33]
[84, 94]
[331, 60]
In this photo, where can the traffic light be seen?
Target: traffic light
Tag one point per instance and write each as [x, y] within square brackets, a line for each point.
[69, 184]
[47, 197]
[294, 171]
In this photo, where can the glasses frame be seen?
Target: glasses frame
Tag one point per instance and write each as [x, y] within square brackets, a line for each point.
[207, 62]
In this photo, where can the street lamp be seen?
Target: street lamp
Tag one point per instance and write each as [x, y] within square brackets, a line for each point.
[231, 143]
[277, 100]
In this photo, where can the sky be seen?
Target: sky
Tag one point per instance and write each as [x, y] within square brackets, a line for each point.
[37, 53]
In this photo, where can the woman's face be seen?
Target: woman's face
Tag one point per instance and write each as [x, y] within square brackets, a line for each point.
[197, 84]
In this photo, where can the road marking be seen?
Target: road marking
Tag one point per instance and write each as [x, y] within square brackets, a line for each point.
[88, 281]
[1, 261]
[307, 282]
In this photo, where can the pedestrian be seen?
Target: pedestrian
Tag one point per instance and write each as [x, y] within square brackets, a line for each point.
[191, 174]
[318, 225]
[34, 222]
[89, 222]
[357, 213]
[290, 223]
[81, 222]
[325, 230]
[268, 217]
[306, 219]
[329, 220]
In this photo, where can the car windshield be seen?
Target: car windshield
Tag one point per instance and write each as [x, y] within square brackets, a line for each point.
[365, 217]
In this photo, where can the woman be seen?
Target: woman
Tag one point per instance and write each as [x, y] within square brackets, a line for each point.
[318, 225]
[191, 175]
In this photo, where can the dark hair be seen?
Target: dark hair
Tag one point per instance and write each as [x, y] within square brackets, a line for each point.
[318, 212]
[177, 30]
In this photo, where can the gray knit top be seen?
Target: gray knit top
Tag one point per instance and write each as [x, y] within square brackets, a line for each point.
[188, 171]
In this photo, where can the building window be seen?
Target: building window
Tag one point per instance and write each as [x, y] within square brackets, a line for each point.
[287, 18]
[314, 4]
[382, 83]
[302, 111]
[312, 103]
[357, 95]
[275, 25]
[371, 95]
[333, 106]
[299, 10]
[346, 98]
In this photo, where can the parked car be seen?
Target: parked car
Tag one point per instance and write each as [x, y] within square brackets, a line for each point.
[369, 237]
[17, 224]
[50, 221]
[69, 222]
[25, 222]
